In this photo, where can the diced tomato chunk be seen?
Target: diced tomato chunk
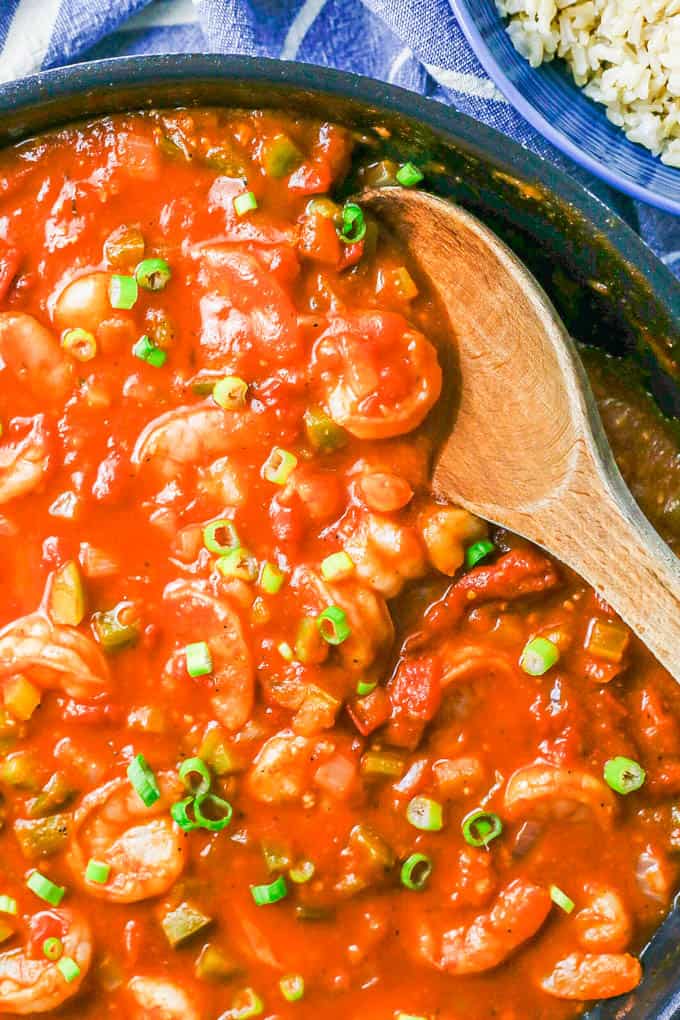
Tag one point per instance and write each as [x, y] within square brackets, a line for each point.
[10, 260]
[371, 711]
[311, 178]
[139, 156]
[351, 254]
[319, 240]
[416, 688]
[337, 775]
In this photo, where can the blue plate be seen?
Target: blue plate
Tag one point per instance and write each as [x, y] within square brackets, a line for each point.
[552, 103]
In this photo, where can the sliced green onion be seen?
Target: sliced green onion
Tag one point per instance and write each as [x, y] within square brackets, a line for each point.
[244, 203]
[45, 889]
[353, 225]
[333, 626]
[123, 291]
[292, 987]
[415, 872]
[478, 551]
[97, 871]
[199, 659]
[68, 968]
[271, 893]
[230, 392]
[538, 656]
[302, 872]
[79, 343]
[180, 814]
[624, 775]
[337, 566]
[409, 175]
[143, 779]
[153, 274]
[365, 687]
[246, 1004]
[220, 537]
[271, 578]
[561, 899]
[285, 651]
[480, 827]
[53, 949]
[425, 813]
[146, 350]
[8, 905]
[238, 563]
[279, 466]
[191, 768]
[220, 815]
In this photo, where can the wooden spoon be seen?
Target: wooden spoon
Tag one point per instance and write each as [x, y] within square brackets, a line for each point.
[527, 449]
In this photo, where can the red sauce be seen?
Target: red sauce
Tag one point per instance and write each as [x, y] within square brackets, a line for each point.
[324, 738]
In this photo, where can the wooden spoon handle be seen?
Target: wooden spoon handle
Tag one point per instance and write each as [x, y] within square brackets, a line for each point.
[608, 540]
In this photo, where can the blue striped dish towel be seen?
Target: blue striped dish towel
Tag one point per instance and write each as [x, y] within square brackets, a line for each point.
[413, 43]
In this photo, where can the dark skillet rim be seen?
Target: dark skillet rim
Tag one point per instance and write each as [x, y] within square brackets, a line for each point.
[455, 127]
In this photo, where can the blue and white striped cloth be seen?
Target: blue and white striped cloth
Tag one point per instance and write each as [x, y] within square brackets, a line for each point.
[413, 43]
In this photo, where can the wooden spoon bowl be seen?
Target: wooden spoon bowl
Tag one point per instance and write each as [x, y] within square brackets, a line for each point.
[527, 450]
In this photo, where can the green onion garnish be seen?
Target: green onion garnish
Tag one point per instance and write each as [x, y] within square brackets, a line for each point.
[220, 814]
[561, 899]
[425, 813]
[153, 274]
[97, 872]
[79, 343]
[69, 969]
[409, 175]
[246, 1004]
[220, 537]
[478, 551]
[45, 889]
[333, 626]
[279, 466]
[230, 392]
[353, 226]
[195, 767]
[147, 351]
[244, 203]
[365, 687]
[180, 814]
[123, 291]
[8, 905]
[143, 779]
[302, 872]
[337, 567]
[538, 656]
[271, 578]
[238, 563]
[199, 659]
[53, 949]
[292, 987]
[271, 893]
[624, 775]
[415, 872]
[480, 827]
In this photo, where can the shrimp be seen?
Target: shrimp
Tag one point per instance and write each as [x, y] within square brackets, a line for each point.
[371, 627]
[386, 554]
[34, 356]
[53, 656]
[379, 377]
[585, 976]
[24, 457]
[194, 435]
[284, 767]
[447, 531]
[232, 680]
[545, 791]
[142, 845]
[604, 925]
[517, 913]
[160, 999]
[32, 983]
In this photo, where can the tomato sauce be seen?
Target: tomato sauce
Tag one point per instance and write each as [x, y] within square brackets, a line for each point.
[279, 733]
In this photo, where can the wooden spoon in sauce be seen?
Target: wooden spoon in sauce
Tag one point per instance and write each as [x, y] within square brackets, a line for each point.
[527, 450]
